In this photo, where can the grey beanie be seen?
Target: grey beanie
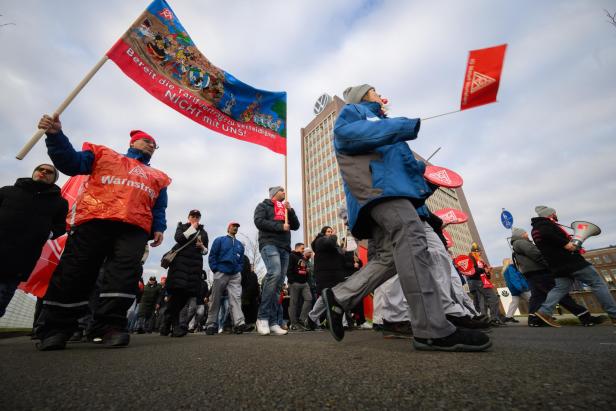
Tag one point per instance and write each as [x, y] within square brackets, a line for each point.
[55, 170]
[517, 232]
[353, 95]
[544, 211]
[274, 190]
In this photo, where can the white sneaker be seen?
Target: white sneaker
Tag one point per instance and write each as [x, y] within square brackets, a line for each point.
[277, 330]
[263, 327]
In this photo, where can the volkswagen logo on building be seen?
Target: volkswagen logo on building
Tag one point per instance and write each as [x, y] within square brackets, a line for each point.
[322, 101]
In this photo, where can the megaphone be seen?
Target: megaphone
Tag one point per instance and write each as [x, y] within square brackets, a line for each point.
[582, 230]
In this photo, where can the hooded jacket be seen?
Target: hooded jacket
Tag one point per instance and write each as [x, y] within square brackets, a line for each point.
[31, 212]
[271, 231]
[376, 163]
[551, 240]
[527, 255]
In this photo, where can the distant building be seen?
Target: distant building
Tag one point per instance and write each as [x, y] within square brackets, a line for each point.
[322, 187]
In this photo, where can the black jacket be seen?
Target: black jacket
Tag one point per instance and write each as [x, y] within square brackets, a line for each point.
[330, 263]
[250, 284]
[271, 231]
[185, 270]
[550, 239]
[29, 211]
[149, 298]
[297, 271]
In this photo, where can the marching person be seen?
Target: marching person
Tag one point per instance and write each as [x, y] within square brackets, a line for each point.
[299, 290]
[147, 306]
[535, 269]
[274, 246]
[122, 206]
[384, 185]
[481, 288]
[31, 212]
[226, 262]
[184, 275]
[518, 288]
[566, 264]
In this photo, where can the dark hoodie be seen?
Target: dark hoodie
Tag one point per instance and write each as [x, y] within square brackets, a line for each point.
[551, 240]
[30, 213]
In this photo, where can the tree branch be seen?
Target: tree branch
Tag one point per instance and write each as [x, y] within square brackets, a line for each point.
[612, 17]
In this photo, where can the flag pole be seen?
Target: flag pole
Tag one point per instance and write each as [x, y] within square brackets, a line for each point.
[39, 133]
[440, 115]
[286, 193]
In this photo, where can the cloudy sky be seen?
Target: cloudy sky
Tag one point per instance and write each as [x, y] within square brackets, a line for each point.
[549, 140]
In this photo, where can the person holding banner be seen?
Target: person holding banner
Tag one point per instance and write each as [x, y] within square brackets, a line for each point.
[274, 246]
[384, 185]
[31, 212]
[122, 205]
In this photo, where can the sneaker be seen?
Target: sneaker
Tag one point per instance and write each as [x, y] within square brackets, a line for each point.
[547, 319]
[263, 327]
[77, 336]
[239, 329]
[496, 323]
[511, 320]
[468, 322]
[115, 339]
[309, 325]
[460, 340]
[296, 327]
[140, 331]
[249, 328]
[335, 313]
[588, 320]
[377, 327]
[534, 321]
[211, 330]
[277, 330]
[397, 329]
[53, 342]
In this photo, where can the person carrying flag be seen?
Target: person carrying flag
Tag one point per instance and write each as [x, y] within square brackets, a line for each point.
[122, 206]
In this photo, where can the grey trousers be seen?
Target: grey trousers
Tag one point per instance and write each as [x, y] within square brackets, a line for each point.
[233, 284]
[296, 291]
[401, 246]
[486, 299]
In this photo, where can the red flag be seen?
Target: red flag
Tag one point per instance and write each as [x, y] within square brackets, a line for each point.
[448, 238]
[443, 177]
[52, 250]
[465, 265]
[451, 216]
[483, 72]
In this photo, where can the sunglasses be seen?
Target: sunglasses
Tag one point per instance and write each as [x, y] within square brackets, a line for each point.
[150, 142]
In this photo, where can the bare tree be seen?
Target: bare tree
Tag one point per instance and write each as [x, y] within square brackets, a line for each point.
[251, 249]
[611, 17]
[6, 24]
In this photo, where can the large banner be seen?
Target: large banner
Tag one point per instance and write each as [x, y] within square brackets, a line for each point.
[159, 55]
[483, 72]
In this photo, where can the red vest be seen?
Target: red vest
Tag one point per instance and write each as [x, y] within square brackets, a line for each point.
[119, 189]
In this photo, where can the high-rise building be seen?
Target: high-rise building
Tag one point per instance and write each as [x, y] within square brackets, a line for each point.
[322, 187]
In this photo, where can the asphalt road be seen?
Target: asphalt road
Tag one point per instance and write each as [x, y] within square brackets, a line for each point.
[527, 369]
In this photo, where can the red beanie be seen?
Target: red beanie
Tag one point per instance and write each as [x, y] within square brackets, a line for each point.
[138, 135]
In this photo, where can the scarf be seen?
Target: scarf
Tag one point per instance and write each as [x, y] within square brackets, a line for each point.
[279, 210]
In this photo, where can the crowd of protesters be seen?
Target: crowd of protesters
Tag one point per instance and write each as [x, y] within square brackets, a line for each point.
[97, 294]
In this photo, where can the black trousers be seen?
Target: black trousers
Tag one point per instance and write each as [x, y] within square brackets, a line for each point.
[177, 301]
[540, 284]
[116, 247]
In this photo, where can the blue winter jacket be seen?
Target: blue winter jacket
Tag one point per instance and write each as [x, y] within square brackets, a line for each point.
[515, 281]
[226, 255]
[72, 163]
[376, 163]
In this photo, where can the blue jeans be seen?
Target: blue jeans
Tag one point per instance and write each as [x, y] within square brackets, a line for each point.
[8, 286]
[588, 275]
[276, 261]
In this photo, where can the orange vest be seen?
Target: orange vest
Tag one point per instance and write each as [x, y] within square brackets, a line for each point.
[119, 189]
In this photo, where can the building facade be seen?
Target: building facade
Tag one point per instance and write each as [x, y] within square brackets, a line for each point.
[323, 191]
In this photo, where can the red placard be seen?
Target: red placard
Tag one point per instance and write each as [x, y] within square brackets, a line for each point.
[482, 78]
[449, 238]
[443, 177]
[451, 216]
[464, 264]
